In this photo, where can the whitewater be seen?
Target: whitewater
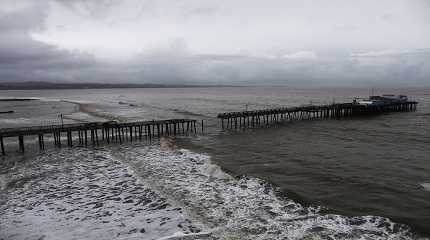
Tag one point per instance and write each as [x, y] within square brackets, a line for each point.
[159, 191]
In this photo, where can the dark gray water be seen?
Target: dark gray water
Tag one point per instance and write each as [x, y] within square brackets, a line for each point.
[355, 167]
[376, 165]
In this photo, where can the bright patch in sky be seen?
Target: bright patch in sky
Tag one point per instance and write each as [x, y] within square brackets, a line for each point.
[124, 29]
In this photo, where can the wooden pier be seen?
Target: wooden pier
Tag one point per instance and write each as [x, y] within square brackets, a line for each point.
[258, 118]
[95, 133]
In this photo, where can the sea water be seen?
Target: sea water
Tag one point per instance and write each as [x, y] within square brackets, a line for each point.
[361, 178]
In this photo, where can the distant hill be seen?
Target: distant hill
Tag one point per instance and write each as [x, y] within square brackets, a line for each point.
[50, 85]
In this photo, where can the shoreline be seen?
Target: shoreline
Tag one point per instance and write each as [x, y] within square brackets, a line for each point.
[18, 99]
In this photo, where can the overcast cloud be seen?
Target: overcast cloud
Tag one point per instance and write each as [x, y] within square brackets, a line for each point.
[275, 42]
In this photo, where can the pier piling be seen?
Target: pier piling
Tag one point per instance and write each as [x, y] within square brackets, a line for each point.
[21, 143]
[2, 146]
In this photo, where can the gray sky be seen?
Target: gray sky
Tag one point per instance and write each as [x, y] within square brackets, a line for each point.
[273, 42]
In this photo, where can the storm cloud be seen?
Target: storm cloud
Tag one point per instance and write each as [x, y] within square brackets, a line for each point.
[294, 43]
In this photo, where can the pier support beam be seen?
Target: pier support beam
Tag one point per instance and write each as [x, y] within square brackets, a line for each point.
[86, 137]
[2, 146]
[69, 139]
[58, 134]
[131, 133]
[41, 142]
[21, 143]
[97, 136]
[93, 142]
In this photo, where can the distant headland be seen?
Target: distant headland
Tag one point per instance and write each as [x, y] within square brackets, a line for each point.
[51, 85]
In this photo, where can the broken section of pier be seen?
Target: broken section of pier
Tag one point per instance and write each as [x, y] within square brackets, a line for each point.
[266, 117]
[95, 133]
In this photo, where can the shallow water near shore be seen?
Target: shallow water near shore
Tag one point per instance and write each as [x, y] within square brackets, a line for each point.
[308, 179]
[84, 194]
[122, 192]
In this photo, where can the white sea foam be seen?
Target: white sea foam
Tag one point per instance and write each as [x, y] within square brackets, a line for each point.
[85, 194]
[4, 181]
[426, 186]
[148, 192]
[92, 111]
[191, 236]
[16, 121]
[244, 208]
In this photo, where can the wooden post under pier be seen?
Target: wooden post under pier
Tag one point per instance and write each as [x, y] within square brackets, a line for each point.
[41, 142]
[21, 143]
[2, 146]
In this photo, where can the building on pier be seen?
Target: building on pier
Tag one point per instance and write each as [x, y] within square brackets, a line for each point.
[385, 99]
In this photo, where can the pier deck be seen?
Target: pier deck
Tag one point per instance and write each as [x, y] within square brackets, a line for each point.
[258, 118]
[94, 133]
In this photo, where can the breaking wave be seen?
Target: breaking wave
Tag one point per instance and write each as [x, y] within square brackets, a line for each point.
[91, 109]
[160, 191]
[426, 186]
[246, 207]
[85, 194]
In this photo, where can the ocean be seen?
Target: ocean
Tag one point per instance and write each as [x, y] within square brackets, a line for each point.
[354, 178]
